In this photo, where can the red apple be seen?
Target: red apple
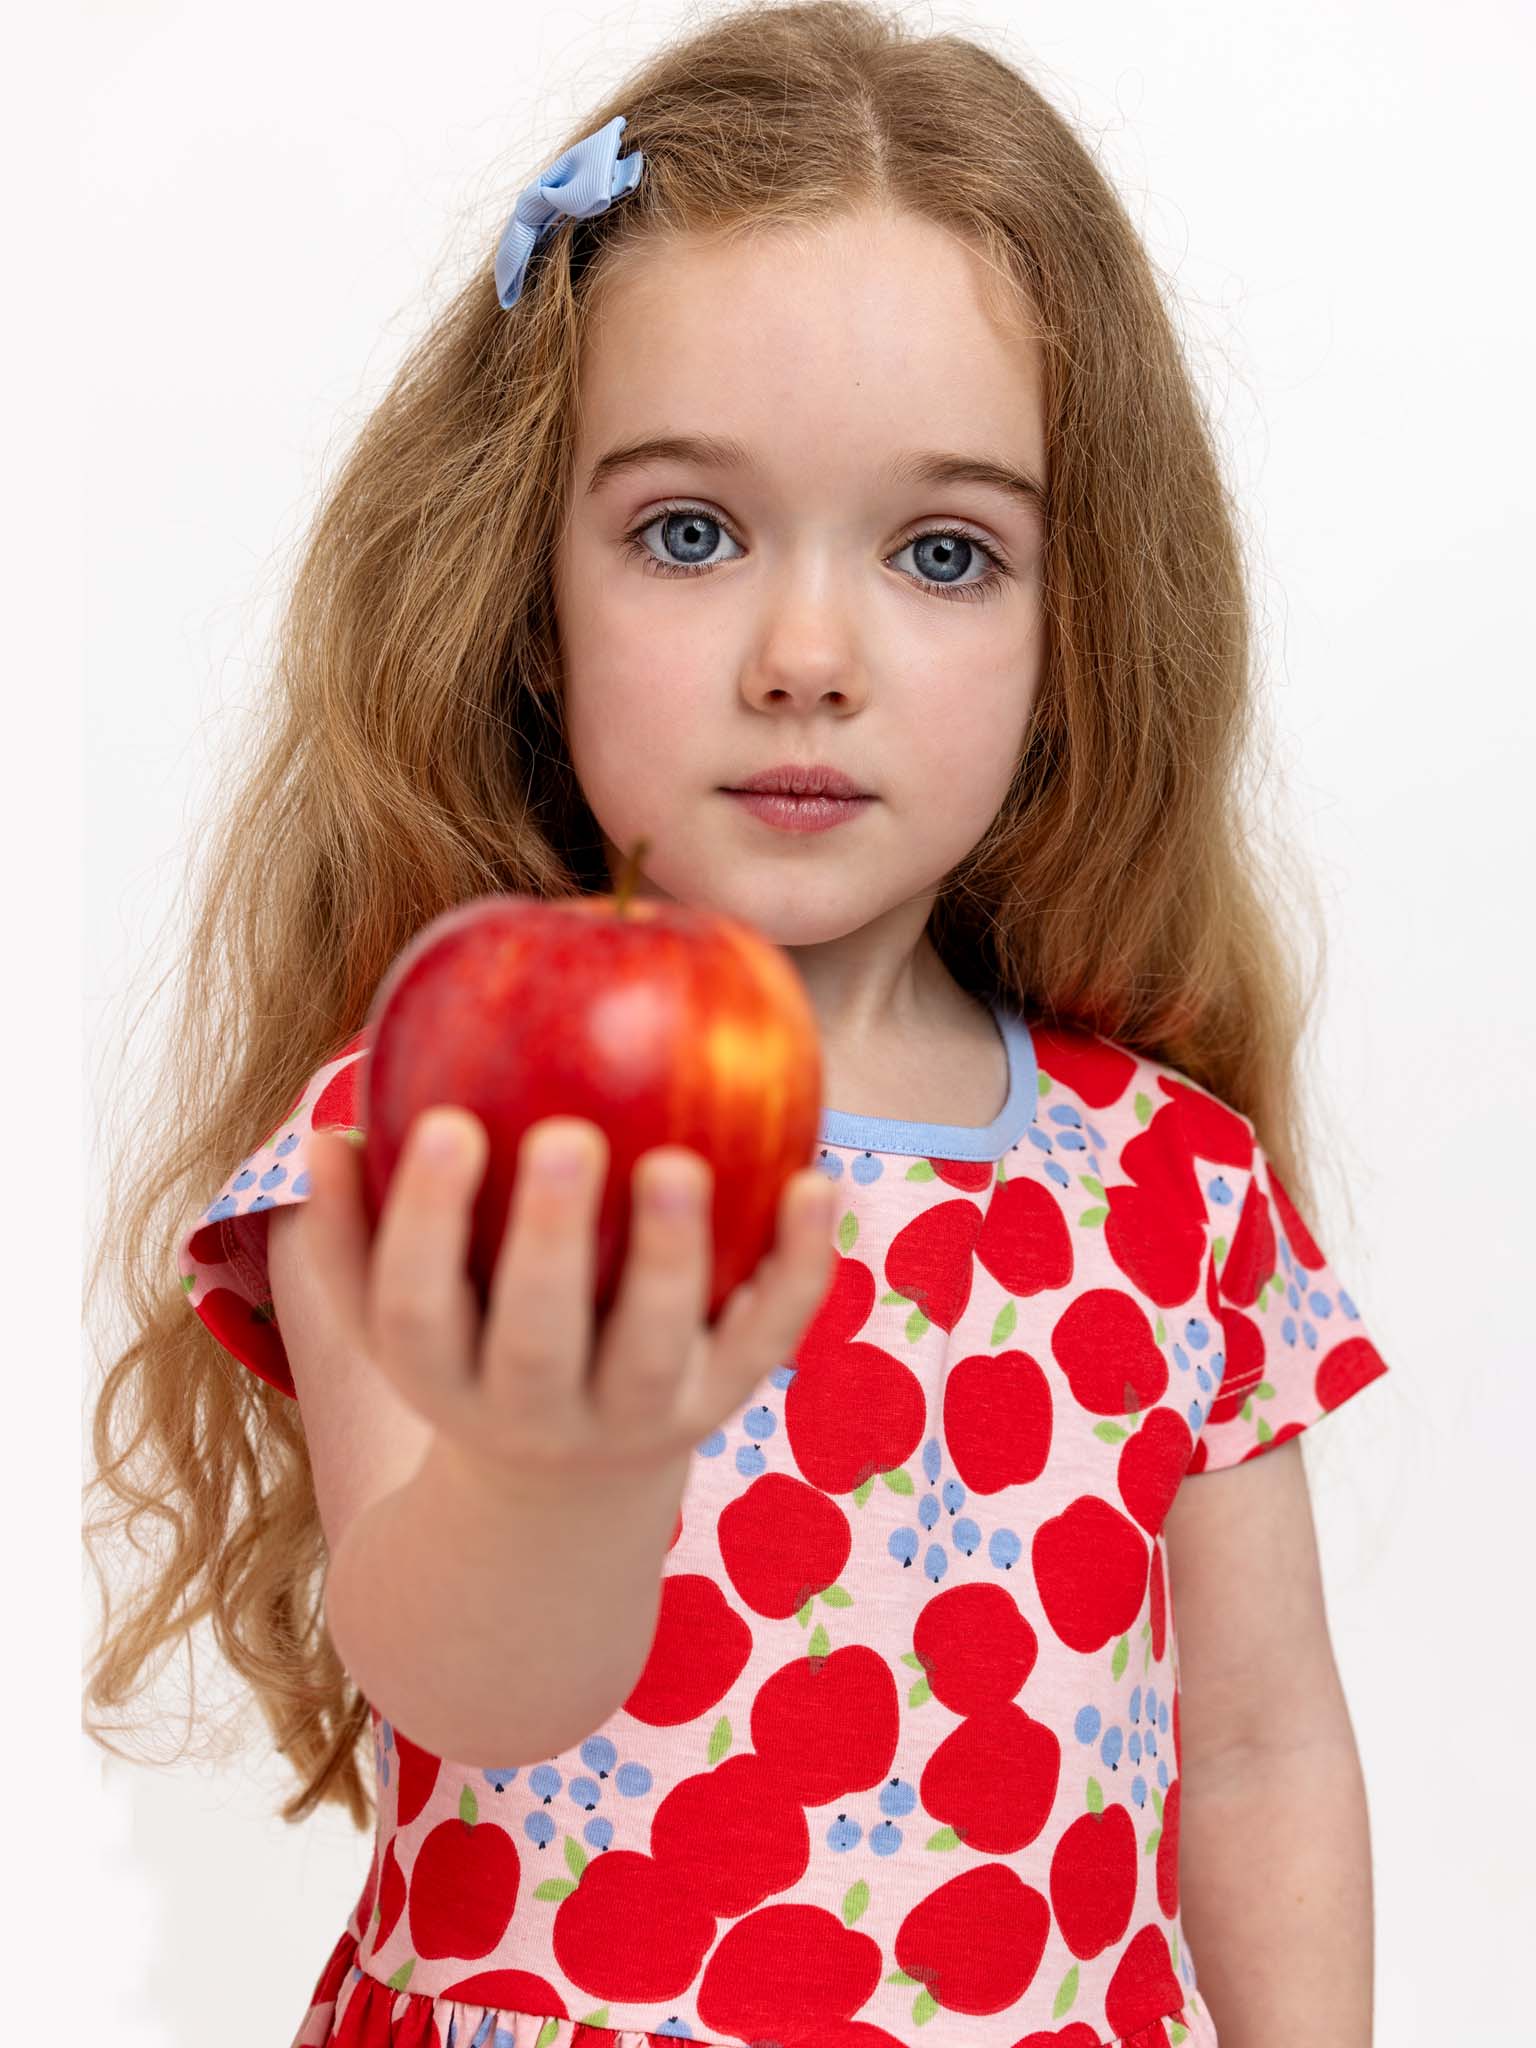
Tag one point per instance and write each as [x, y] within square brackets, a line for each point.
[662, 1023]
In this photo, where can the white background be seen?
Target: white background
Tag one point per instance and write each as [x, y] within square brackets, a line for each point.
[271, 200]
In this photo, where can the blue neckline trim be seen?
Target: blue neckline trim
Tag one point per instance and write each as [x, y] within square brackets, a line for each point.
[953, 1141]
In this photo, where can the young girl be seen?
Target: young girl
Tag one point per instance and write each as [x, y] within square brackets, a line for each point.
[809, 1677]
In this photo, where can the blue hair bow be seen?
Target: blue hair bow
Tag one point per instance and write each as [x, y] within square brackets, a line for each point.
[584, 181]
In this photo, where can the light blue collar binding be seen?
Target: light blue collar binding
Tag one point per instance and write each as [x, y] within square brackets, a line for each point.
[953, 1141]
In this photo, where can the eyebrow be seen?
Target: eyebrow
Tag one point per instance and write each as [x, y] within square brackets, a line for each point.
[716, 451]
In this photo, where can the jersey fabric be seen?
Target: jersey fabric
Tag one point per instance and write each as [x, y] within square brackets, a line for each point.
[903, 1764]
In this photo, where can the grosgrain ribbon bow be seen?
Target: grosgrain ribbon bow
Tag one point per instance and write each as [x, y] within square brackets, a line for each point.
[585, 180]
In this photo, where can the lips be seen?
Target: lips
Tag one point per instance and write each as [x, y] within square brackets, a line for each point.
[816, 780]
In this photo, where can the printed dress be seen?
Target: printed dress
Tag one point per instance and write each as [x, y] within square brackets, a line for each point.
[902, 1766]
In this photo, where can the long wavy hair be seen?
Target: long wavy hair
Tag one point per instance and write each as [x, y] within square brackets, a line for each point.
[409, 753]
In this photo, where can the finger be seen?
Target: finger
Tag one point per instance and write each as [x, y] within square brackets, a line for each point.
[653, 1329]
[422, 1315]
[339, 1232]
[766, 1317]
[540, 1311]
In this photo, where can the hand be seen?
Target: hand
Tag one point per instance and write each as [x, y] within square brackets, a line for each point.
[536, 1390]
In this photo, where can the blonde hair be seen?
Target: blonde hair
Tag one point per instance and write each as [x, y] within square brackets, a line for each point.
[411, 753]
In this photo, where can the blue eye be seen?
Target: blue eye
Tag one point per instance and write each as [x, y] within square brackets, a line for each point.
[984, 586]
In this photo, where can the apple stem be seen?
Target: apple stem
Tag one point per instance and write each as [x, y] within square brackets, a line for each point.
[631, 873]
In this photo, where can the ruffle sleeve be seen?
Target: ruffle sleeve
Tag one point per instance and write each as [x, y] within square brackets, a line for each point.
[223, 1256]
[1287, 1343]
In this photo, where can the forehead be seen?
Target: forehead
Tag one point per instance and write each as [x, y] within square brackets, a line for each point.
[870, 332]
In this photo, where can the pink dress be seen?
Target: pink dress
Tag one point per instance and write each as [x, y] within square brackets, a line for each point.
[903, 1765]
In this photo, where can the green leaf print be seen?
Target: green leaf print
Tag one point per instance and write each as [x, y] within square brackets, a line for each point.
[1118, 1662]
[920, 1170]
[719, 1740]
[1264, 1431]
[1247, 1409]
[1143, 1108]
[837, 1596]
[550, 2031]
[1095, 1796]
[855, 1902]
[803, 1614]
[596, 2019]
[924, 2006]
[554, 1889]
[911, 1657]
[943, 1838]
[1265, 1391]
[898, 1479]
[1177, 2032]
[1092, 1218]
[892, 1300]
[469, 1811]
[1149, 1846]
[848, 1231]
[1162, 1332]
[820, 1644]
[1157, 1802]
[920, 1694]
[917, 1326]
[575, 1856]
[1111, 1432]
[862, 1491]
[1043, 1084]
[1003, 1328]
[1093, 1184]
[1066, 1994]
[1219, 1252]
[402, 1976]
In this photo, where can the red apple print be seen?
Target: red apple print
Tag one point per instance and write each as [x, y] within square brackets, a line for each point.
[780, 1542]
[852, 1413]
[248, 1332]
[1211, 1130]
[338, 1105]
[997, 1419]
[1156, 1229]
[391, 1900]
[971, 1176]
[1304, 1247]
[975, 1647]
[632, 1929]
[697, 1652]
[1104, 1344]
[1093, 1880]
[785, 1974]
[976, 1942]
[735, 1835]
[844, 1310]
[1270, 1443]
[828, 1724]
[993, 1779]
[1347, 1367]
[416, 1770]
[1143, 1988]
[513, 1990]
[930, 1260]
[1095, 1070]
[1025, 1242]
[463, 1885]
[1152, 1462]
[1158, 1602]
[1090, 1566]
[1252, 1255]
[1078, 2035]
[1168, 1853]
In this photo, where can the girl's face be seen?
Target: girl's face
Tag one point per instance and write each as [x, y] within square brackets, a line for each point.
[834, 611]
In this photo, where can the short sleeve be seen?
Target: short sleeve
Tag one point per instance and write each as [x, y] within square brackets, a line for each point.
[223, 1256]
[1286, 1335]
